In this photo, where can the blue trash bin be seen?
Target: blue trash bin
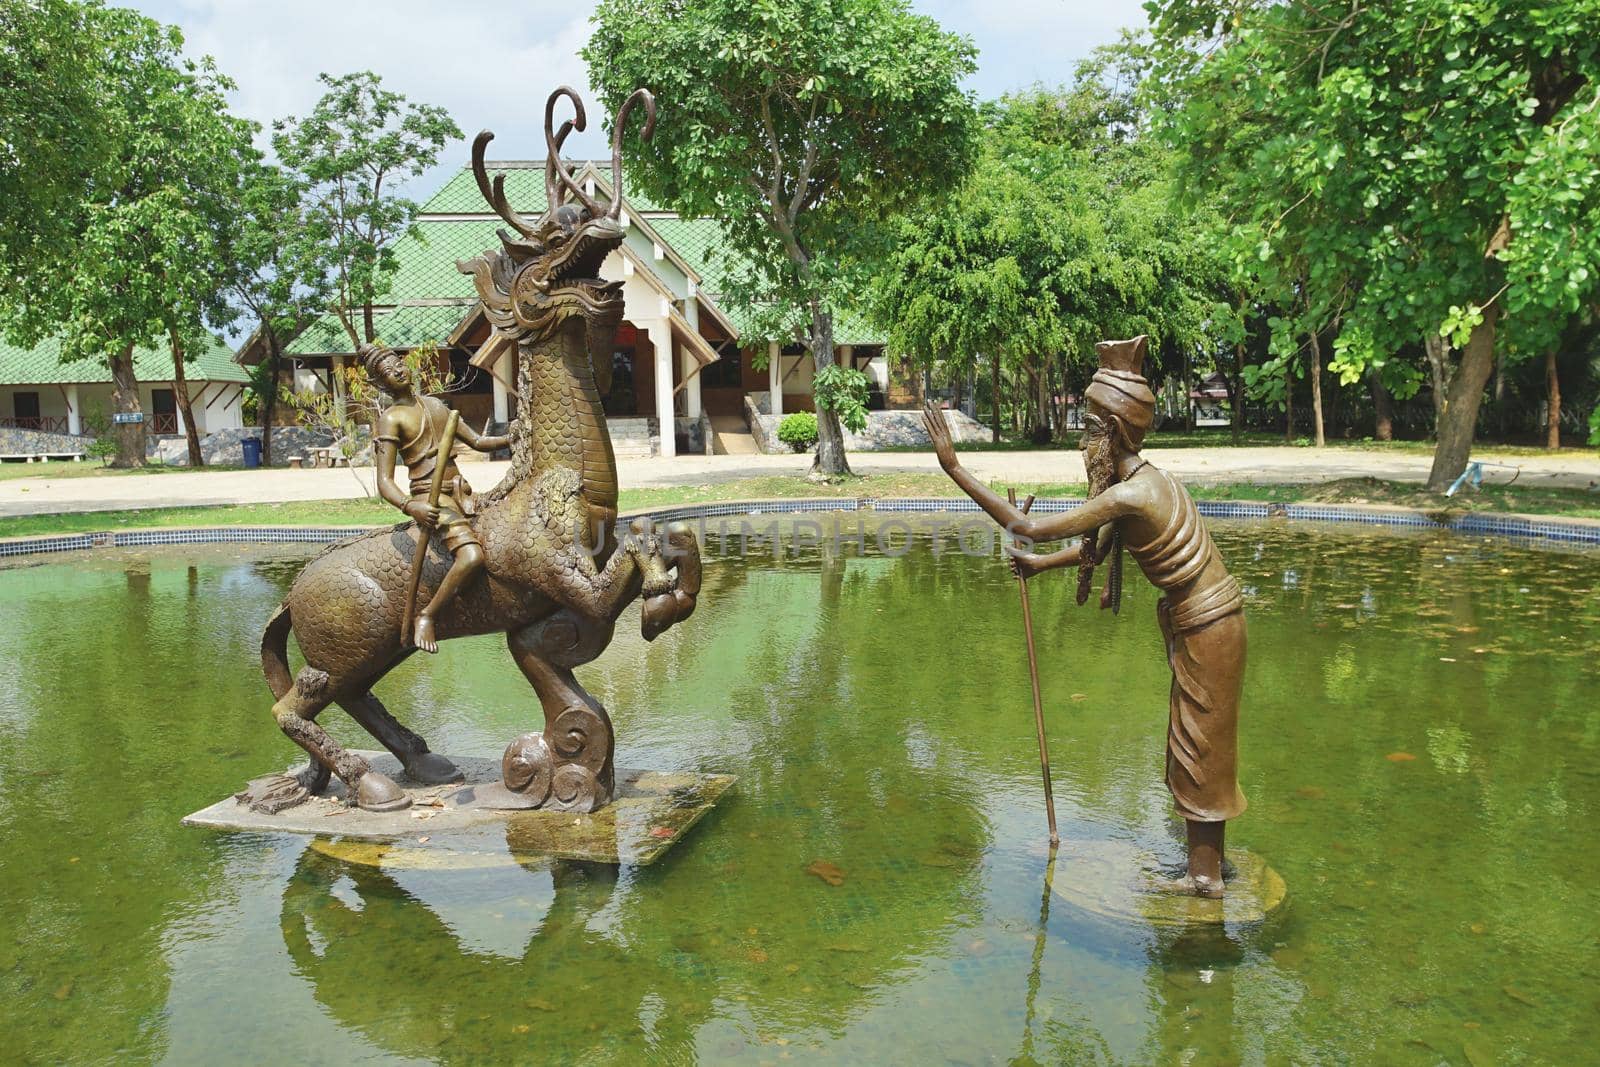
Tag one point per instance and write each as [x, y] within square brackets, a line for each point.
[252, 452]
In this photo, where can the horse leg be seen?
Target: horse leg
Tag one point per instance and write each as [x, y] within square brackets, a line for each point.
[569, 766]
[424, 766]
[296, 713]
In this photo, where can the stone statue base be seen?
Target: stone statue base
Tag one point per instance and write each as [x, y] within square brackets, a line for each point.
[447, 826]
[1137, 882]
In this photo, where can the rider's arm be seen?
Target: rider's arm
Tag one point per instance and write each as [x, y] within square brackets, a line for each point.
[482, 442]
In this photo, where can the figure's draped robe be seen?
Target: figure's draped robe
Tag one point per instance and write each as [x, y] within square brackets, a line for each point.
[1205, 636]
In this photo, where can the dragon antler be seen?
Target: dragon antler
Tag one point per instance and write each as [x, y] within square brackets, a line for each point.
[638, 96]
[555, 173]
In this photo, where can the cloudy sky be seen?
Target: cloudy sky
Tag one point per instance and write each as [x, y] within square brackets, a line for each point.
[491, 63]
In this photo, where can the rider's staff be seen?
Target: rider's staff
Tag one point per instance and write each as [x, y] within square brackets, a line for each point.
[1033, 676]
[447, 440]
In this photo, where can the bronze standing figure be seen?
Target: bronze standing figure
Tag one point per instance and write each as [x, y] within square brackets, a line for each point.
[1134, 505]
[553, 575]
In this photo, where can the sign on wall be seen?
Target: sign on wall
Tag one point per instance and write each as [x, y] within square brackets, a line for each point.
[127, 416]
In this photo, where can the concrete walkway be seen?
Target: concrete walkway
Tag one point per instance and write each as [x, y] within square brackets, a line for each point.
[41, 496]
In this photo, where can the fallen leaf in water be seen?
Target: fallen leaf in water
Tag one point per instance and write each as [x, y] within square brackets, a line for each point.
[1447, 659]
[1399, 757]
[758, 955]
[1519, 996]
[539, 1005]
[828, 872]
[423, 840]
[791, 968]
[1471, 1026]
[521, 1028]
[661, 831]
[1477, 928]
[1311, 792]
[1080, 696]
[63, 991]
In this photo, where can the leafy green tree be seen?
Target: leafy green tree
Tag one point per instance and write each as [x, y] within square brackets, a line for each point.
[277, 279]
[1431, 165]
[1063, 236]
[355, 145]
[799, 125]
[50, 141]
[134, 256]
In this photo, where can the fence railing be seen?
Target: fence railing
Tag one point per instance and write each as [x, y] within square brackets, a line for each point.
[47, 423]
[160, 424]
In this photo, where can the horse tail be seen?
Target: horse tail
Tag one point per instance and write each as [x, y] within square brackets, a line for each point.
[275, 653]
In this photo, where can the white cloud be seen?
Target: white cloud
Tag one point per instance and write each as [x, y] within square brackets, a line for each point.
[491, 63]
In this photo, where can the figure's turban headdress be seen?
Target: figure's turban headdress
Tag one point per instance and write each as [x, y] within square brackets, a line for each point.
[1119, 389]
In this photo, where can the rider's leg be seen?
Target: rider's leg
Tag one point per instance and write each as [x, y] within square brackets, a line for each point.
[468, 562]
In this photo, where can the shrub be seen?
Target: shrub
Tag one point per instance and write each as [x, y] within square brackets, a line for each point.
[845, 392]
[798, 431]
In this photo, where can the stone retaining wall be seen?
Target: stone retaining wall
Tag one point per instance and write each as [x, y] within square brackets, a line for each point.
[19, 442]
[885, 429]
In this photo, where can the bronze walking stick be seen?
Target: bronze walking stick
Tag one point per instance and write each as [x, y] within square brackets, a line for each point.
[1033, 676]
[446, 440]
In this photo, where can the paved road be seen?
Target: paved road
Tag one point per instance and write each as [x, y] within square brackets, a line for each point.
[38, 496]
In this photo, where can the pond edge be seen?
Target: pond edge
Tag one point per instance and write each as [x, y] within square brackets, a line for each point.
[1526, 527]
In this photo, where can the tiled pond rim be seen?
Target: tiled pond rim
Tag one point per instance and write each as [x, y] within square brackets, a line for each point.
[1578, 531]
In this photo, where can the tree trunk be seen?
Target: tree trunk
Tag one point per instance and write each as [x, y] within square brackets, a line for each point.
[1383, 404]
[1316, 389]
[1041, 381]
[994, 397]
[1288, 403]
[1439, 368]
[366, 323]
[1187, 391]
[269, 402]
[180, 391]
[1553, 418]
[1459, 420]
[1237, 387]
[830, 435]
[125, 400]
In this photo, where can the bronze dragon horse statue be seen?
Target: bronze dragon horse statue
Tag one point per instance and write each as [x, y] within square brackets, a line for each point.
[556, 575]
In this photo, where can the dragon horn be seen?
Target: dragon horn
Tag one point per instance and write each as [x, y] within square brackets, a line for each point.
[554, 170]
[639, 96]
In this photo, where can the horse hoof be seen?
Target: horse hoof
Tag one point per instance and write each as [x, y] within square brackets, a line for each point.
[430, 768]
[378, 792]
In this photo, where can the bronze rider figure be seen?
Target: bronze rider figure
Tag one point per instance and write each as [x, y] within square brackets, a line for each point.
[408, 431]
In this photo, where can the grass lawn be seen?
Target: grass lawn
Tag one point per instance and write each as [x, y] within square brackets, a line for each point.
[1220, 437]
[90, 468]
[1573, 503]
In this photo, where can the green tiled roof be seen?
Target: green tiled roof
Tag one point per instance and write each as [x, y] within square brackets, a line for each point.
[406, 326]
[427, 268]
[427, 265]
[524, 189]
[43, 365]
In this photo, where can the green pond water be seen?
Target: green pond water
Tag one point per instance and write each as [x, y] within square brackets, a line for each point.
[1420, 749]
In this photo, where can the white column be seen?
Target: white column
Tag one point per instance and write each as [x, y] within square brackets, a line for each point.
[660, 331]
[691, 391]
[774, 378]
[74, 411]
[502, 399]
[178, 410]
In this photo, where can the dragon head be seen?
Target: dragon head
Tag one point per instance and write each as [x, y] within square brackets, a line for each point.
[549, 269]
